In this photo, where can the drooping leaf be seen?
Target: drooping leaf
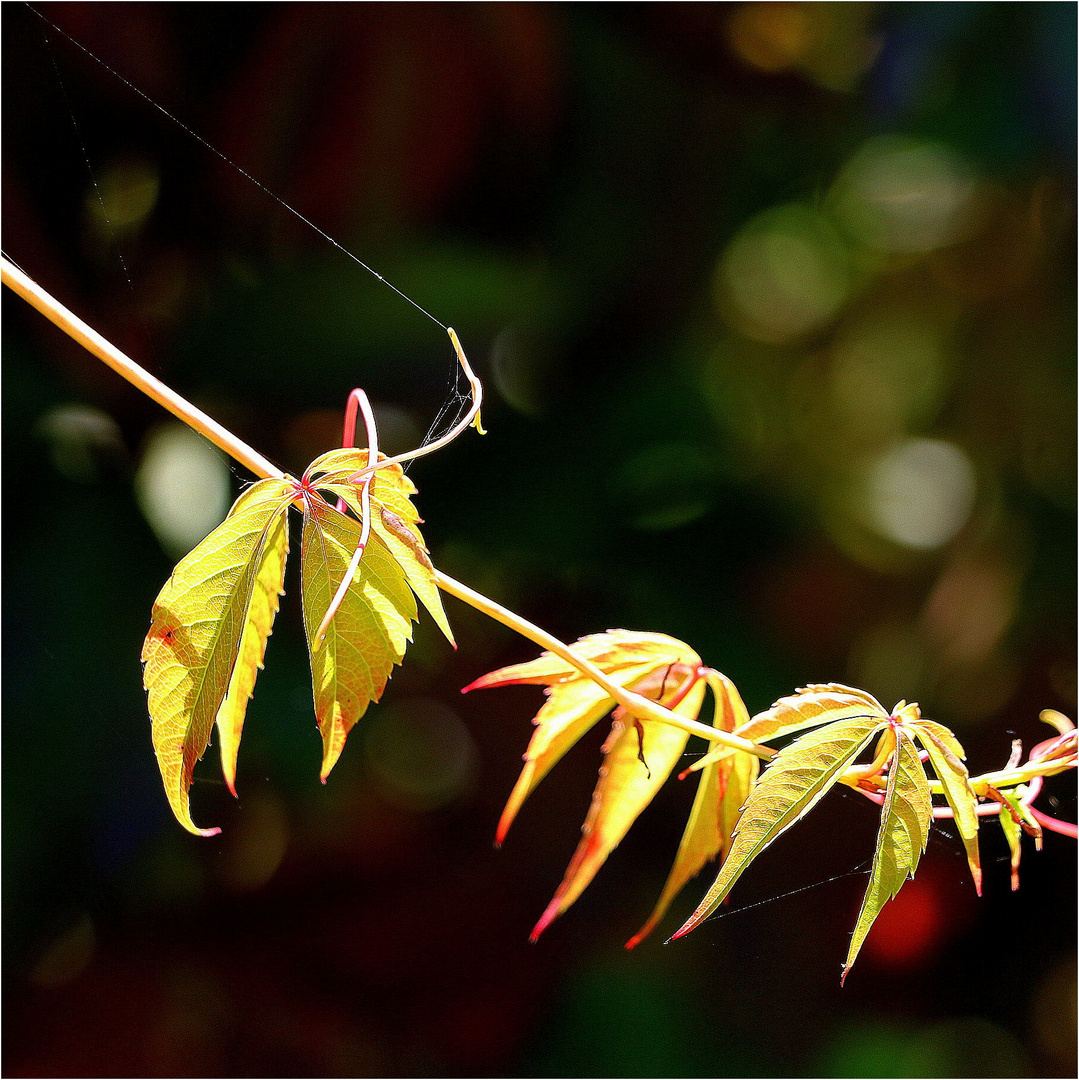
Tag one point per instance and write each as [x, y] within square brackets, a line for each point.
[198, 626]
[946, 756]
[571, 709]
[627, 783]
[368, 635]
[904, 832]
[575, 703]
[723, 788]
[792, 784]
[393, 519]
[268, 587]
[809, 706]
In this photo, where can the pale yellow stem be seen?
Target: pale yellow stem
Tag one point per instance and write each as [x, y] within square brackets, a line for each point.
[123, 365]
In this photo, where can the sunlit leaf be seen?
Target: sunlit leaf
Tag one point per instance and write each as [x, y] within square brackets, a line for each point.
[609, 651]
[575, 703]
[904, 832]
[393, 519]
[268, 587]
[368, 635]
[199, 620]
[723, 787]
[627, 783]
[792, 784]
[946, 756]
[571, 710]
[810, 706]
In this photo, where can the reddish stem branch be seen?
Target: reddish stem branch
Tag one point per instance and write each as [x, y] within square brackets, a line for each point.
[1065, 828]
[348, 434]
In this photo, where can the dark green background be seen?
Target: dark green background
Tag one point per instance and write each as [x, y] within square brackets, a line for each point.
[560, 183]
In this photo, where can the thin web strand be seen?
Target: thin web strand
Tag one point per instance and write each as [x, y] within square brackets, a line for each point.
[239, 168]
[85, 153]
[860, 868]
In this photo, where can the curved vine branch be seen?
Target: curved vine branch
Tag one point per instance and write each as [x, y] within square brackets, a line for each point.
[261, 466]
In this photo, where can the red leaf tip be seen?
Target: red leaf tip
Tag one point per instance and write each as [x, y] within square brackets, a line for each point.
[545, 920]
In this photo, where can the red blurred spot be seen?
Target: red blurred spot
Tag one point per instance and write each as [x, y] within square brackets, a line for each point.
[909, 929]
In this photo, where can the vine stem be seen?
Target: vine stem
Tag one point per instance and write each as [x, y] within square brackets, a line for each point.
[138, 376]
[236, 448]
[639, 706]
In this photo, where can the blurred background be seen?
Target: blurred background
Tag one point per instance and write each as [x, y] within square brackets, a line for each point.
[775, 307]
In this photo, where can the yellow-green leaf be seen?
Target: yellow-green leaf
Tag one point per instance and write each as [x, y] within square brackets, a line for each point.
[946, 756]
[368, 635]
[810, 706]
[792, 784]
[574, 703]
[571, 709]
[258, 625]
[393, 519]
[198, 624]
[723, 788]
[627, 784]
[904, 832]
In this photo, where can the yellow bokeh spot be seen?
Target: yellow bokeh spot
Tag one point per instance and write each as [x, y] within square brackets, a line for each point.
[771, 37]
[784, 275]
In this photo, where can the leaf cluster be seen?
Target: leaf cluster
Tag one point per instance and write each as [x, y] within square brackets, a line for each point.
[211, 620]
[737, 814]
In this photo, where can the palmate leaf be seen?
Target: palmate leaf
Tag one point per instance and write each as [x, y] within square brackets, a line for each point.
[571, 710]
[212, 618]
[574, 703]
[611, 651]
[201, 647]
[368, 635]
[904, 832]
[627, 784]
[654, 665]
[723, 788]
[794, 782]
